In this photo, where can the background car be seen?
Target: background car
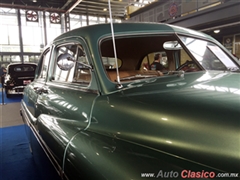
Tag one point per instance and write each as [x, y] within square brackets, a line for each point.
[99, 112]
[18, 76]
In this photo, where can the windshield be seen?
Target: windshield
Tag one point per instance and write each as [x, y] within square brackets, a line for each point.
[209, 55]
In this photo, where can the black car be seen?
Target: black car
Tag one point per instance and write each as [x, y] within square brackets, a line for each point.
[18, 76]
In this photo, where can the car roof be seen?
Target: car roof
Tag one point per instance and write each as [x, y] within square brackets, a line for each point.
[94, 32]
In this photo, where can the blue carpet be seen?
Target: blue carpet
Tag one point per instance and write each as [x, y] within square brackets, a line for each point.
[17, 162]
[13, 99]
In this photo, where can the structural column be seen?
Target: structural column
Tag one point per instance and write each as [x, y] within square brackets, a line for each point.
[20, 34]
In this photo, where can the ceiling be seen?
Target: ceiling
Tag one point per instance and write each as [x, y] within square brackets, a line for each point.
[119, 8]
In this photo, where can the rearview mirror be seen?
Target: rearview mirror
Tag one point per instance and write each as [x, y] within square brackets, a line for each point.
[65, 61]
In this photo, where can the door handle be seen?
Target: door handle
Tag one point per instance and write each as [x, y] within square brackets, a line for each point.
[40, 90]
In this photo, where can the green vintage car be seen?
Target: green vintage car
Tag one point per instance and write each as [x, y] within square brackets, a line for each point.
[100, 111]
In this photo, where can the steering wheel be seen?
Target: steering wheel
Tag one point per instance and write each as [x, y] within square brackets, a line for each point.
[188, 66]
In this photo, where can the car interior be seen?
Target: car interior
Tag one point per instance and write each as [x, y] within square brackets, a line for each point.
[135, 55]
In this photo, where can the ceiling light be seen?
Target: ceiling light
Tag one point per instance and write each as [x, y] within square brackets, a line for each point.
[105, 9]
[34, 1]
[216, 31]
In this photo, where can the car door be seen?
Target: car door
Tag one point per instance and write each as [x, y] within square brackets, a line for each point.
[30, 95]
[65, 100]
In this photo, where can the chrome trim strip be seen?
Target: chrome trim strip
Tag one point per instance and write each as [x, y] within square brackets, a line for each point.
[41, 142]
[9, 92]
[15, 90]
[31, 77]
[27, 113]
[16, 87]
[72, 86]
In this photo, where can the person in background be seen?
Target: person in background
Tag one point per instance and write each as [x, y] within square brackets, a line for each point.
[2, 74]
[156, 65]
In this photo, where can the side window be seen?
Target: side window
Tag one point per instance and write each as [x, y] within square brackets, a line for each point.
[43, 65]
[82, 74]
[72, 65]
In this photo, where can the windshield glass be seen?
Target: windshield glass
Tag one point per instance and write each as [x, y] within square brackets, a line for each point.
[209, 55]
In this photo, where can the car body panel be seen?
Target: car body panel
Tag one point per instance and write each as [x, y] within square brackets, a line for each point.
[181, 135]
[111, 158]
[162, 123]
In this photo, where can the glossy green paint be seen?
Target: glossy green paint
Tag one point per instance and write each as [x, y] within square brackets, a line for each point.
[167, 123]
[186, 118]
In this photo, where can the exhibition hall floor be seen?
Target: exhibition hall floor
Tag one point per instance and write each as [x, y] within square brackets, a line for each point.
[10, 115]
[16, 160]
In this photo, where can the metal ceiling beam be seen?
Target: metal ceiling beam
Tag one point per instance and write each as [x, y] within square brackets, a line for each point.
[220, 26]
[14, 6]
[73, 6]
[91, 7]
[106, 2]
[67, 4]
[99, 5]
[96, 10]
[96, 7]
[99, 8]
[94, 13]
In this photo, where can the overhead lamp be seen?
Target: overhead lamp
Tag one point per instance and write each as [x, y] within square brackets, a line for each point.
[216, 31]
[105, 9]
[34, 1]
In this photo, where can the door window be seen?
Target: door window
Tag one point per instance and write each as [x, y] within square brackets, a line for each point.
[72, 65]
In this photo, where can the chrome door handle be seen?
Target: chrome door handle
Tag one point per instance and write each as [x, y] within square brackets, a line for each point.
[40, 90]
